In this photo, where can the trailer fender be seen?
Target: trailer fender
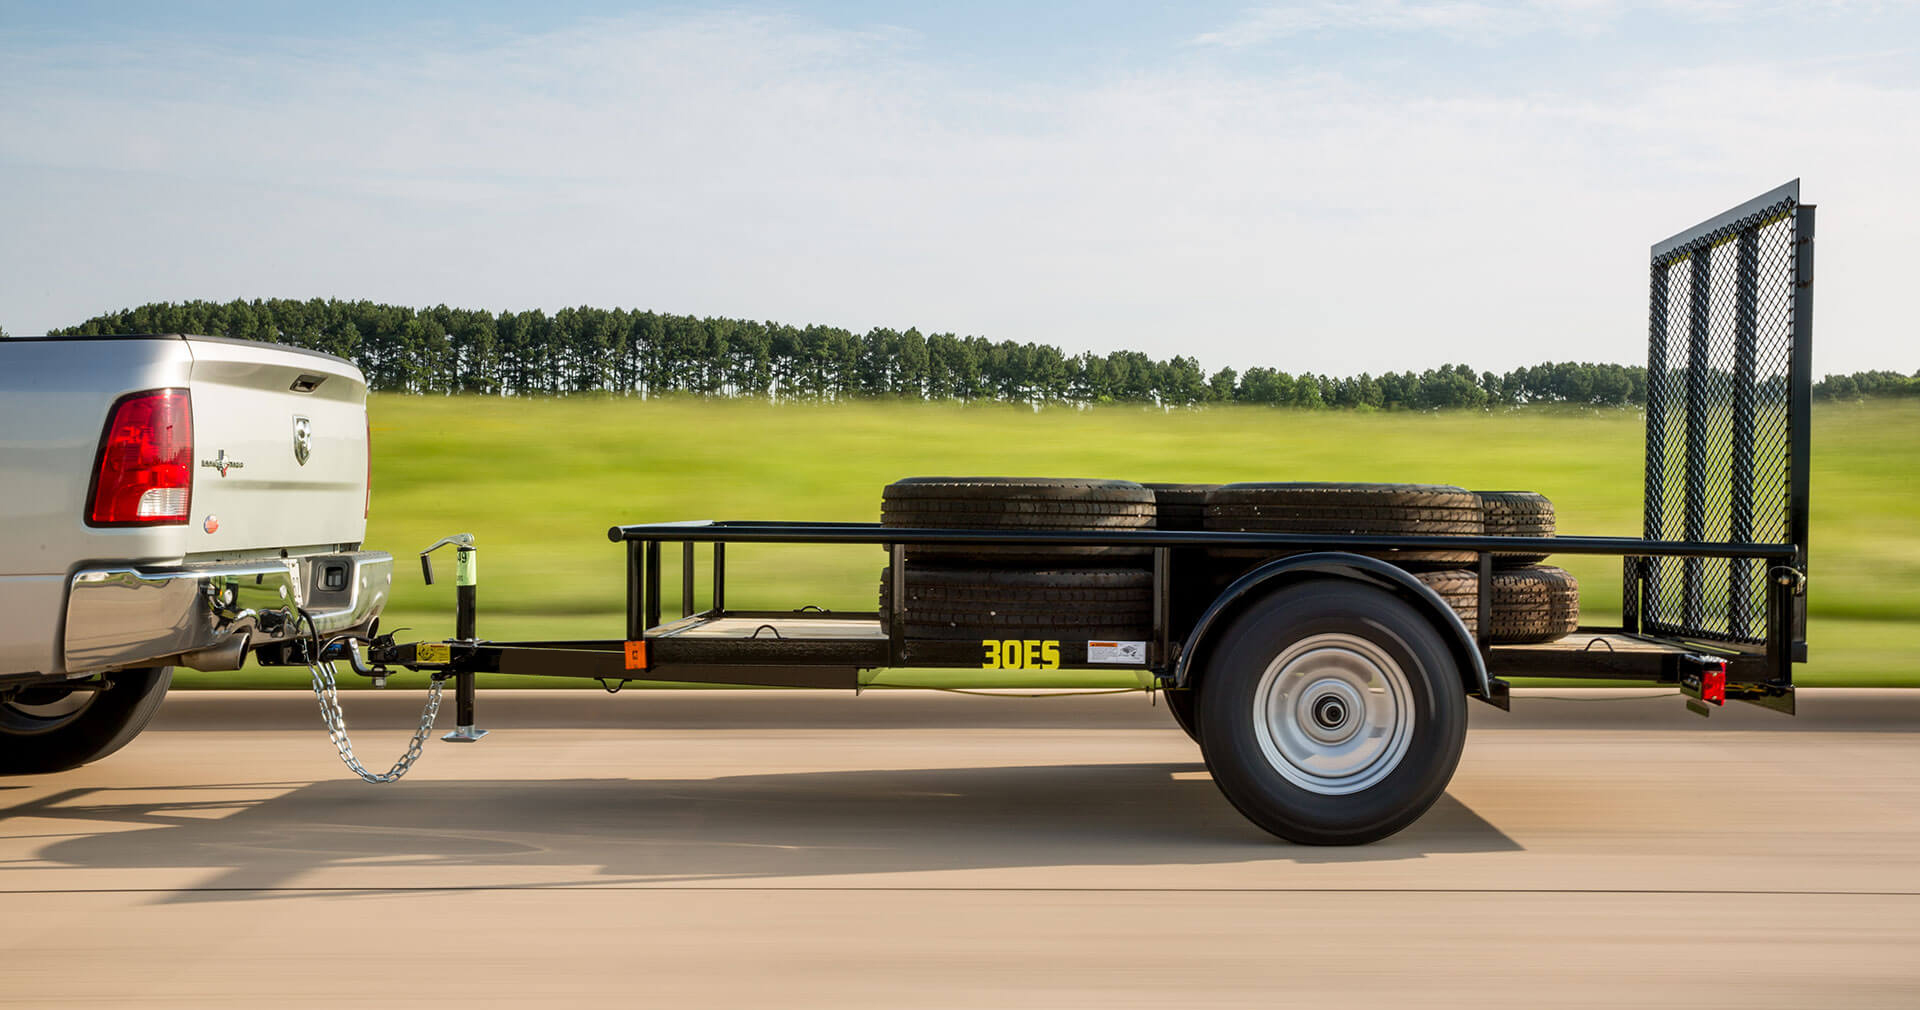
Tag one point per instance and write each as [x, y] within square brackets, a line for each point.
[1283, 572]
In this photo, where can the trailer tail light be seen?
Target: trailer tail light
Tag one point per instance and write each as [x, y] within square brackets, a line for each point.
[1713, 685]
[1704, 679]
[145, 472]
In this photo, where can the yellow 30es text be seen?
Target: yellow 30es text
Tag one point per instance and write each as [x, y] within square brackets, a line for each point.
[1020, 654]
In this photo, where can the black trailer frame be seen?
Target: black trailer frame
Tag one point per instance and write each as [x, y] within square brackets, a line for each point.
[1727, 420]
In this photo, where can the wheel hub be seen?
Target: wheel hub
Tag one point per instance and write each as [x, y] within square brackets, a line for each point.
[37, 710]
[1334, 714]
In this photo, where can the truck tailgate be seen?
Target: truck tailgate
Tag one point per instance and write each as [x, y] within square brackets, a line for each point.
[280, 443]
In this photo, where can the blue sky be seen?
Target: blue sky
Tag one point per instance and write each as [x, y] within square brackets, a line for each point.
[1332, 186]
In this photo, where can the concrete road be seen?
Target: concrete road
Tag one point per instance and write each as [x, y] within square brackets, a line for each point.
[908, 850]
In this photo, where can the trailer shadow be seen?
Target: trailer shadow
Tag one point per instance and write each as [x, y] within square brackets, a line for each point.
[640, 831]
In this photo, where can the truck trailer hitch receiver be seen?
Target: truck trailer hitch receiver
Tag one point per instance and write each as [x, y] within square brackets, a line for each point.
[466, 581]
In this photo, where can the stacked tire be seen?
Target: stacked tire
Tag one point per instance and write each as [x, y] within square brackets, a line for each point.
[1531, 602]
[972, 591]
[1342, 510]
[1180, 506]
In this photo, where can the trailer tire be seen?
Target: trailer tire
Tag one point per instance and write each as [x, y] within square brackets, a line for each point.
[1180, 704]
[1018, 503]
[966, 604]
[1538, 603]
[1516, 514]
[1339, 510]
[1180, 506]
[44, 730]
[1332, 713]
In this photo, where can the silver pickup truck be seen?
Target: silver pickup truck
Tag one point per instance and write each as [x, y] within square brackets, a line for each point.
[168, 500]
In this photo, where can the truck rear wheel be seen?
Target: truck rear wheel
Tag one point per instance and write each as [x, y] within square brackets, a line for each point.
[50, 728]
[1332, 714]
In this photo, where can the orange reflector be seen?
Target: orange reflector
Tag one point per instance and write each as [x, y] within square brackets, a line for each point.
[637, 656]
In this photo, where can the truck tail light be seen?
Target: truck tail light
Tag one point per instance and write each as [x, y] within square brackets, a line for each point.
[145, 473]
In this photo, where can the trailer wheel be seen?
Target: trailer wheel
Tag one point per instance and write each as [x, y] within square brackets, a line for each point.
[1180, 703]
[50, 729]
[1332, 714]
[1018, 503]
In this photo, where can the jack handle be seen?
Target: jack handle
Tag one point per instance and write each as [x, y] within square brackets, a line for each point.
[463, 541]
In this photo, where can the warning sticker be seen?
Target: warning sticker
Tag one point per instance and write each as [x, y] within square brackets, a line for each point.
[1122, 653]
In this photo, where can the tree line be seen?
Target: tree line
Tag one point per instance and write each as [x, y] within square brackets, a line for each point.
[1866, 386]
[442, 350]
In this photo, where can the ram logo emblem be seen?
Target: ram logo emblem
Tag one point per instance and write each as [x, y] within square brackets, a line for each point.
[302, 439]
[221, 463]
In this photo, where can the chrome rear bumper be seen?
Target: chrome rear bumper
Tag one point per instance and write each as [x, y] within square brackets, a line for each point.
[209, 616]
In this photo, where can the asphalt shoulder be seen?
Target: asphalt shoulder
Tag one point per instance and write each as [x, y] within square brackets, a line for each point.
[1820, 710]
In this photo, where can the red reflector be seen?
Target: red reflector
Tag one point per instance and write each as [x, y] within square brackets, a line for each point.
[1713, 685]
[145, 473]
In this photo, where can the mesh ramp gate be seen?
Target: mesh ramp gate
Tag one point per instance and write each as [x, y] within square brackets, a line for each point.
[1728, 389]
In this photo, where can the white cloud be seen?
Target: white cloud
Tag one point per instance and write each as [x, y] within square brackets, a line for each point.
[1486, 22]
[767, 168]
[1453, 17]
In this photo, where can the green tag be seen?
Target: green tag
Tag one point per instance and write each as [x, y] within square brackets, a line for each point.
[466, 568]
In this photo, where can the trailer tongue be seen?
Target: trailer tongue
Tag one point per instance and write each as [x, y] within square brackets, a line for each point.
[1324, 680]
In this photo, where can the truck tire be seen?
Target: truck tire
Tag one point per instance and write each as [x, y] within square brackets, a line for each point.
[970, 604]
[1018, 503]
[1343, 509]
[1180, 506]
[1516, 514]
[1332, 713]
[48, 729]
[1538, 603]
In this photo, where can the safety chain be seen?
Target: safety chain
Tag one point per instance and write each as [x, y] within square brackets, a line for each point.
[328, 694]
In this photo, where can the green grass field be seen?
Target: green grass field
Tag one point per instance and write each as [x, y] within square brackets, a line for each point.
[539, 481]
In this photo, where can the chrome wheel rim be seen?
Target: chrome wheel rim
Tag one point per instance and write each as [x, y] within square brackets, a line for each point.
[1333, 714]
[43, 710]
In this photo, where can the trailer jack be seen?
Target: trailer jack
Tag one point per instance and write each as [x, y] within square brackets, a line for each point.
[466, 581]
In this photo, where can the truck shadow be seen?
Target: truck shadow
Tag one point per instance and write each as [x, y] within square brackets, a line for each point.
[333, 835]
